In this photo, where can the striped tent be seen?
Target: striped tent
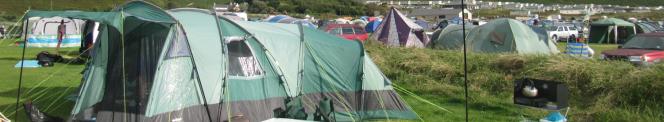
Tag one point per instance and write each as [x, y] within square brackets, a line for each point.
[397, 30]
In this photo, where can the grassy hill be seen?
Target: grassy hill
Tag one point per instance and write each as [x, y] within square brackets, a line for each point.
[600, 90]
[608, 2]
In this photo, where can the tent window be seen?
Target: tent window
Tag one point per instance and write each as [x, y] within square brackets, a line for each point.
[242, 62]
[179, 46]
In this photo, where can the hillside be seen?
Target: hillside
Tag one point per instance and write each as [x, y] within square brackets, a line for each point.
[608, 2]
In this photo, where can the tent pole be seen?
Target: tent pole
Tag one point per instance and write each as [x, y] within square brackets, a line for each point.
[634, 28]
[615, 34]
[195, 68]
[465, 62]
[225, 64]
[20, 76]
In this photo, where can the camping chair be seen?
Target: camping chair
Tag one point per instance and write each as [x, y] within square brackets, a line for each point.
[579, 50]
[3, 118]
[325, 111]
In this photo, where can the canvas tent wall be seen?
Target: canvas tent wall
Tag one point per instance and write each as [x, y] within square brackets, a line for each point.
[509, 35]
[43, 32]
[140, 54]
[450, 38]
[397, 30]
[190, 65]
[611, 30]
[295, 63]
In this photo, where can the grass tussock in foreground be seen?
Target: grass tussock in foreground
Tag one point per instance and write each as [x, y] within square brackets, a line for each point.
[600, 90]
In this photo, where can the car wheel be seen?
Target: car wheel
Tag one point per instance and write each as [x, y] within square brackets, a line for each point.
[554, 38]
[572, 38]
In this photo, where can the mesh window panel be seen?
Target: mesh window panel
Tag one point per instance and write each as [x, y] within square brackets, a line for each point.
[242, 61]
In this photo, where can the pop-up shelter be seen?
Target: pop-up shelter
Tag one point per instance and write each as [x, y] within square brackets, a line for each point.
[397, 30]
[611, 30]
[509, 35]
[190, 65]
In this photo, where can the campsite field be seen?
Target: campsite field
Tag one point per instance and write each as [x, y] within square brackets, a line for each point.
[599, 92]
[48, 87]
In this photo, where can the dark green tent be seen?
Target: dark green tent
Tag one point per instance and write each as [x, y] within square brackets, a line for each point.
[610, 30]
[191, 65]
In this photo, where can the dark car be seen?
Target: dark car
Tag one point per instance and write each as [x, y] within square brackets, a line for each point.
[642, 49]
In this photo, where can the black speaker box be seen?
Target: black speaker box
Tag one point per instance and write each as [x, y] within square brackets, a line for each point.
[551, 95]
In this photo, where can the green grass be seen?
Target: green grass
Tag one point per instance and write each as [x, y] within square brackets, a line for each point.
[47, 87]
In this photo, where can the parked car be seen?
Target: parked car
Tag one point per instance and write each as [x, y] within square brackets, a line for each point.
[347, 31]
[562, 32]
[642, 49]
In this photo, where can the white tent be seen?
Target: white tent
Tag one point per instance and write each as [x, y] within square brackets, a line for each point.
[43, 32]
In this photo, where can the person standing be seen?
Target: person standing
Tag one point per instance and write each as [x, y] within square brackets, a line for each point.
[2, 31]
[61, 34]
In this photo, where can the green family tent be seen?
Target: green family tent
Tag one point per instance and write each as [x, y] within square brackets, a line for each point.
[451, 37]
[611, 30]
[190, 65]
[509, 35]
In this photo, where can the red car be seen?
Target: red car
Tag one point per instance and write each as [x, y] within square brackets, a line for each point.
[347, 31]
[642, 49]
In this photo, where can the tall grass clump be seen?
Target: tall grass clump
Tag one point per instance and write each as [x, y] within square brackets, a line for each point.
[600, 90]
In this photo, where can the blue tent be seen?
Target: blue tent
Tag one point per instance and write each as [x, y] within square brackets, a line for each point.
[422, 23]
[372, 26]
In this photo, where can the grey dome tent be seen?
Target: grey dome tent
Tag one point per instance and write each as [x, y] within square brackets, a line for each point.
[509, 35]
[451, 37]
[190, 65]
[397, 30]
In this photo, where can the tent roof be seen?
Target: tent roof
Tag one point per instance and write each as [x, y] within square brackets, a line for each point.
[611, 22]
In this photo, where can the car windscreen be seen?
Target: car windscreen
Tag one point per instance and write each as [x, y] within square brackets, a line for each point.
[645, 42]
[335, 31]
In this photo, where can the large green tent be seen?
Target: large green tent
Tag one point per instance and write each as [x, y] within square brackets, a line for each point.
[190, 65]
[610, 30]
[451, 37]
[509, 35]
